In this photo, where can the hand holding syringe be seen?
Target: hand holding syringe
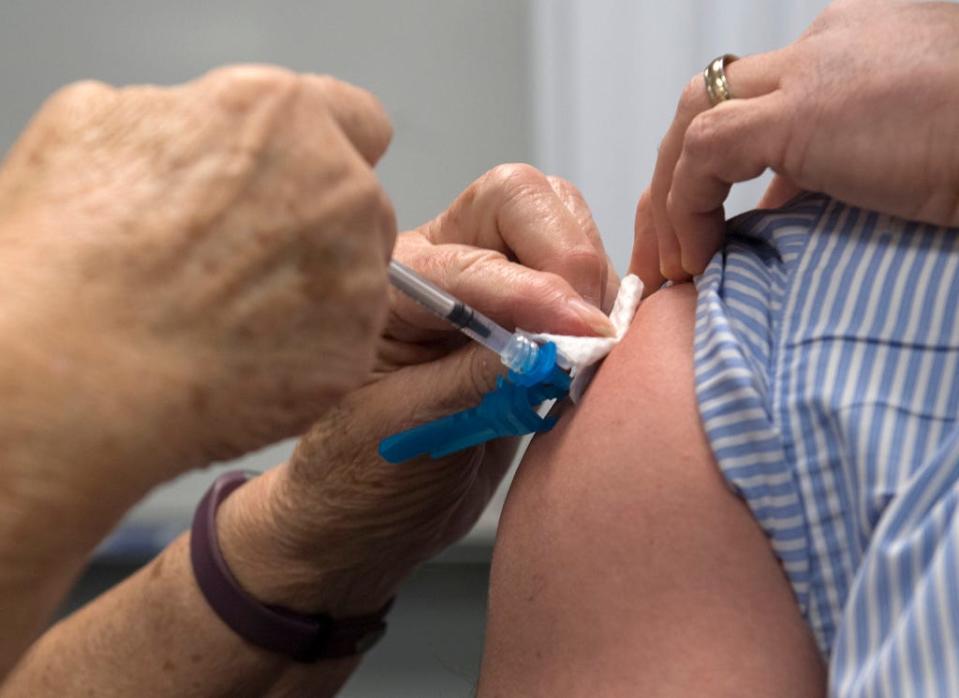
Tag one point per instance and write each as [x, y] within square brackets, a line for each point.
[537, 373]
[517, 352]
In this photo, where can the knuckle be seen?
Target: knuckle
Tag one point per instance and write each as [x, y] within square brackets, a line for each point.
[585, 260]
[692, 100]
[334, 91]
[673, 205]
[339, 90]
[474, 370]
[76, 99]
[545, 288]
[368, 194]
[644, 205]
[242, 86]
[239, 76]
[562, 184]
[459, 268]
[568, 191]
[515, 176]
[677, 206]
[324, 82]
[376, 112]
[702, 136]
[329, 90]
[481, 372]
[80, 92]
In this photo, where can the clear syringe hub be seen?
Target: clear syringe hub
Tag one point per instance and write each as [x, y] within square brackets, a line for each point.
[518, 353]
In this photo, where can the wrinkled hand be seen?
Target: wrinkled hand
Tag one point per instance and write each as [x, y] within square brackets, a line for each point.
[190, 272]
[517, 245]
[862, 107]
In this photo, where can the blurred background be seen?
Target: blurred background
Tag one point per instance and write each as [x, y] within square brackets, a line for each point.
[580, 88]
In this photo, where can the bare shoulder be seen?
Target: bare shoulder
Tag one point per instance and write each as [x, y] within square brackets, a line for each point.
[644, 391]
[624, 565]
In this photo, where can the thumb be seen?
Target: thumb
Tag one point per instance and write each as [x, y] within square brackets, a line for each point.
[429, 391]
[349, 434]
[454, 383]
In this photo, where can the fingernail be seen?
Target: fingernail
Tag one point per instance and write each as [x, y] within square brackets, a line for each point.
[593, 317]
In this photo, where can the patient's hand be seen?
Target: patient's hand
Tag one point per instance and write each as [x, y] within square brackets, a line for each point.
[861, 107]
[624, 565]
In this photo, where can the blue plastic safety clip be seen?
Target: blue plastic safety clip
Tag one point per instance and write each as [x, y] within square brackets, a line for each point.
[509, 410]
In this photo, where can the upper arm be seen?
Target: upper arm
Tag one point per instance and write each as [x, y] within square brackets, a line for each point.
[624, 565]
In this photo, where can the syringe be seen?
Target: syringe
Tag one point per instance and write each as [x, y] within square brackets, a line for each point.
[517, 352]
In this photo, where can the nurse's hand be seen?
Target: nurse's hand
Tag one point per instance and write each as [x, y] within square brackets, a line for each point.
[862, 107]
[188, 273]
[337, 528]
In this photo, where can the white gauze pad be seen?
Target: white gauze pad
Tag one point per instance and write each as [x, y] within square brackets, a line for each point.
[585, 353]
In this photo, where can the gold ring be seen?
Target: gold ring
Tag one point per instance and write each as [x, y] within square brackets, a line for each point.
[717, 86]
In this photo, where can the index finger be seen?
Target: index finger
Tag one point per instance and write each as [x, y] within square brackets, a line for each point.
[513, 209]
[749, 76]
[509, 293]
[732, 143]
[576, 203]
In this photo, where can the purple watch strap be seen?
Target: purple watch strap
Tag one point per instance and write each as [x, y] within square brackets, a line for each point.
[302, 637]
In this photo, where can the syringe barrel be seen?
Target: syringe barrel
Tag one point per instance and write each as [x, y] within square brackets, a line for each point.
[517, 352]
[422, 291]
[482, 329]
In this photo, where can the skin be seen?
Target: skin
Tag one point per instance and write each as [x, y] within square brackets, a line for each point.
[337, 504]
[197, 230]
[624, 565]
[98, 159]
[684, 594]
[336, 529]
[174, 260]
[861, 107]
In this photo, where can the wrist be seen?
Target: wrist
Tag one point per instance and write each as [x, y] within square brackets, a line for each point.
[85, 401]
[45, 524]
[335, 576]
[57, 489]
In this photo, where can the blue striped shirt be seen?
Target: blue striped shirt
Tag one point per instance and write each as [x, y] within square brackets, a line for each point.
[827, 375]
